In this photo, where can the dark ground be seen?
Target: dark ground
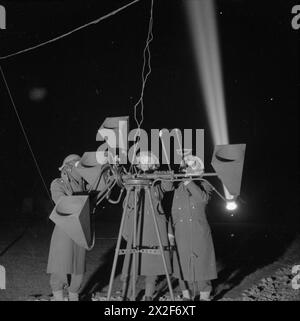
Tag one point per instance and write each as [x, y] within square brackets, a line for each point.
[245, 254]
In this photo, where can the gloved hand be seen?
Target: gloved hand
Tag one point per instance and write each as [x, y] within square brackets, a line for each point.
[189, 171]
[207, 187]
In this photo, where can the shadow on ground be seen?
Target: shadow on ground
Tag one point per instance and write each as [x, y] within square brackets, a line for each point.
[100, 278]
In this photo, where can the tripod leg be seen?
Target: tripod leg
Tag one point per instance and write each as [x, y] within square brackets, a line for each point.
[134, 246]
[113, 271]
[160, 245]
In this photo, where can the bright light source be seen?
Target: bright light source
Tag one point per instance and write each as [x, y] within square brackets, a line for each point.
[231, 205]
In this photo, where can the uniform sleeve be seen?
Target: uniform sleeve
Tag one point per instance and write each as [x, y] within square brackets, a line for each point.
[56, 191]
[102, 184]
[197, 192]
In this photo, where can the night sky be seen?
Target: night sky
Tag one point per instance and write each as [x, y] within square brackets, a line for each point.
[96, 73]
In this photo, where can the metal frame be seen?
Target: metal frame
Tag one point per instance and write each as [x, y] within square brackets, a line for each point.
[136, 185]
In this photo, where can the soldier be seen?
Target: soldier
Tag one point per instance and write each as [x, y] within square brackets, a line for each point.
[65, 256]
[149, 265]
[194, 261]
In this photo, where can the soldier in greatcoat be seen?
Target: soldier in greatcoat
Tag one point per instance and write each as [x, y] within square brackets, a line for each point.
[194, 261]
[65, 256]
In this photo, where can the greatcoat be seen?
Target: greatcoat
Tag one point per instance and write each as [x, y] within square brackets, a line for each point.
[65, 256]
[195, 256]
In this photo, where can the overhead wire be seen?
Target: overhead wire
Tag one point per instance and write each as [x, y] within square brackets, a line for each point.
[145, 75]
[69, 32]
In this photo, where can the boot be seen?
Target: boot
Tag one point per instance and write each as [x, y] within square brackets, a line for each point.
[204, 296]
[73, 296]
[58, 295]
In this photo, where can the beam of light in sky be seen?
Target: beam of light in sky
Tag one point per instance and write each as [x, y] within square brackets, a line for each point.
[203, 28]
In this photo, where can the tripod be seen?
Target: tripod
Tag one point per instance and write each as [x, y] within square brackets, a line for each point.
[137, 185]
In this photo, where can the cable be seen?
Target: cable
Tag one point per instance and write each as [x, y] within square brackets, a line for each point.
[24, 132]
[145, 77]
[70, 32]
[144, 80]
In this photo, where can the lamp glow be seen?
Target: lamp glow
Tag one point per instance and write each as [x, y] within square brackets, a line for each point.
[231, 205]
